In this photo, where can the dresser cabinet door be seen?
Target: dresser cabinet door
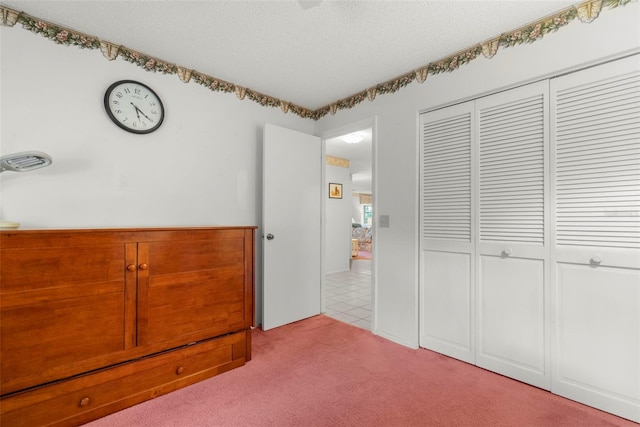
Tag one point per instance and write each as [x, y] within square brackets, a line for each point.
[191, 285]
[63, 305]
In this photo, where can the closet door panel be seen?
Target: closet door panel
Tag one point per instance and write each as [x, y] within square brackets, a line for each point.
[447, 301]
[596, 132]
[598, 313]
[595, 143]
[447, 295]
[512, 323]
[511, 304]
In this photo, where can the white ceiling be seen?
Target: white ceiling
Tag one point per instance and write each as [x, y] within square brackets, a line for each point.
[311, 53]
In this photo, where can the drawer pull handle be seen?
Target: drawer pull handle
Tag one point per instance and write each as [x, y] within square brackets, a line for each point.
[507, 251]
[131, 267]
[84, 402]
[179, 370]
[143, 266]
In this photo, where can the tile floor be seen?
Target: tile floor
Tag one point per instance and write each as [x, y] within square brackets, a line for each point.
[348, 294]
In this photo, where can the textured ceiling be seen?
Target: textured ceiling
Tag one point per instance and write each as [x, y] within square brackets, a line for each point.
[309, 53]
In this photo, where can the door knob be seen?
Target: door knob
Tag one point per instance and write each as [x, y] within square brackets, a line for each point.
[270, 236]
[143, 266]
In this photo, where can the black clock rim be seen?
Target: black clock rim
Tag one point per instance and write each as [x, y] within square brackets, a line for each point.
[117, 122]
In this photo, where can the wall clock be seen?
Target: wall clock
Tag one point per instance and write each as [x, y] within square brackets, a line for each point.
[133, 106]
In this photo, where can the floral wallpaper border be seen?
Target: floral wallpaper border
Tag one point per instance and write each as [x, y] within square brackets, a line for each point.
[586, 12]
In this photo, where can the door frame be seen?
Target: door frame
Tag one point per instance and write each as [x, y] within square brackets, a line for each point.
[368, 123]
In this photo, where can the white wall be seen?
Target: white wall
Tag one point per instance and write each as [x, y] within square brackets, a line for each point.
[337, 221]
[356, 209]
[202, 167]
[395, 272]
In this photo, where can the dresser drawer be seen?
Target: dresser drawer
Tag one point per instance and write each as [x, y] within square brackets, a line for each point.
[88, 397]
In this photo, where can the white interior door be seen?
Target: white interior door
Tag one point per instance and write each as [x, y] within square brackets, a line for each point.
[447, 255]
[595, 127]
[291, 221]
[512, 322]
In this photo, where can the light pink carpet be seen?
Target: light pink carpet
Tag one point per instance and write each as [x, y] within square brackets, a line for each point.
[322, 372]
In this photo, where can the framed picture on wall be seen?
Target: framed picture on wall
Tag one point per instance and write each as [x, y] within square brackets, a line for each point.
[335, 191]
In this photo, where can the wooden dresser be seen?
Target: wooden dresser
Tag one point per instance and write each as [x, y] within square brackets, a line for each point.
[96, 320]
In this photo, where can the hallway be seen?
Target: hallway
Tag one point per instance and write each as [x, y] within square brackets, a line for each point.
[348, 294]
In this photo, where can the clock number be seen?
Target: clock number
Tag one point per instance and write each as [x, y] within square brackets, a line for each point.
[137, 91]
[126, 90]
[115, 102]
[119, 94]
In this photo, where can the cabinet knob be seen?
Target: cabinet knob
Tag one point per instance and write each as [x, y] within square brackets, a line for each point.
[596, 259]
[179, 370]
[507, 251]
[131, 267]
[84, 401]
[143, 266]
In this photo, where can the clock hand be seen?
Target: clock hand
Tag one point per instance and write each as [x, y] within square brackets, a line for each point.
[139, 111]
[148, 118]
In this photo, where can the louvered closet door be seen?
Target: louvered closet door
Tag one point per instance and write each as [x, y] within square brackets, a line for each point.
[596, 178]
[447, 244]
[512, 323]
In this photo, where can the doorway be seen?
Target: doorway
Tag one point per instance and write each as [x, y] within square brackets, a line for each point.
[347, 286]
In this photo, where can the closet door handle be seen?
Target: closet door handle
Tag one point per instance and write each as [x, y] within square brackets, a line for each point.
[131, 267]
[143, 266]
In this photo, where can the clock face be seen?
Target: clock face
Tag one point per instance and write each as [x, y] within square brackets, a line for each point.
[134, 106]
